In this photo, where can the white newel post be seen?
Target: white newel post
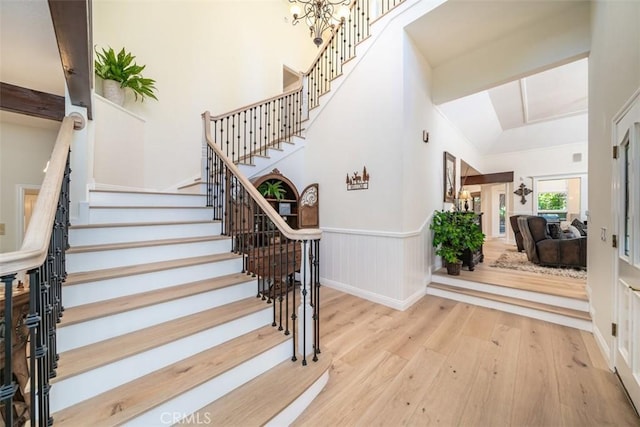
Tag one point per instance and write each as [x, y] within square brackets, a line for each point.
[305, 311]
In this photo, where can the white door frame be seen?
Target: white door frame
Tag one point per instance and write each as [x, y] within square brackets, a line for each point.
[20, 191]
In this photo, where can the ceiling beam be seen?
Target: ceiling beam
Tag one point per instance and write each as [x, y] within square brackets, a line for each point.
[31, 102]
[490, 178]
[73, 34]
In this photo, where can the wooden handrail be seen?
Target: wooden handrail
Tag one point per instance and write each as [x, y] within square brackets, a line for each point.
[255, 104]
[285, 229]
[34, 247]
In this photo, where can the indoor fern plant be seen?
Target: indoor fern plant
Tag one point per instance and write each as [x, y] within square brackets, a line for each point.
[122, 68]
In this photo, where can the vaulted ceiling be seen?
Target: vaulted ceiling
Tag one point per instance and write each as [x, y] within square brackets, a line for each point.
[539, 108]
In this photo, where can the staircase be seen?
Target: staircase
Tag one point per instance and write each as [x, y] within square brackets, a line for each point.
[160, 322]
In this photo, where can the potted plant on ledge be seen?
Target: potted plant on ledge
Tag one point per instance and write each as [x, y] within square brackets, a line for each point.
[453, 232]
[118, 72]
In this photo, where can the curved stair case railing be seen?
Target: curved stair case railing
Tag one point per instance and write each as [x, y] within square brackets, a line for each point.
[251, 130]
[272, 251]
[33, 312]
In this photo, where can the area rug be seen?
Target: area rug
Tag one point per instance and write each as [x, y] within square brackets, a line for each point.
[513, 260]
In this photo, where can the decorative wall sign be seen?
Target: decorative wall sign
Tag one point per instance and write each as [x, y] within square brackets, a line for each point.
[522, 192]
[449, 177]
[357, 181]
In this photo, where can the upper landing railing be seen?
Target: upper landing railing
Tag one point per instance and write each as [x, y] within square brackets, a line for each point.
[253, 129]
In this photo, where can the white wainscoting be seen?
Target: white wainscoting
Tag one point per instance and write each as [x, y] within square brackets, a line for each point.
[388, 268]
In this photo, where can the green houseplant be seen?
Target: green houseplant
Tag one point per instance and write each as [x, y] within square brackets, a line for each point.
[121, 68]
[272, 189]
[453, 232]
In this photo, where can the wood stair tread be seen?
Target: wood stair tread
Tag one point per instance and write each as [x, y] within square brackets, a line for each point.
[139, 224]
[261, 399]
[161, 193]
[83, 313]
[82, 359]
[148, 207]
[143, 244]
[577, 314]
[116, 272]
[130, 400]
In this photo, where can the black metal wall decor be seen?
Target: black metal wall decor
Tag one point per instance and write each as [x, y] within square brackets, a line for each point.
[357, 181]
[522, 192]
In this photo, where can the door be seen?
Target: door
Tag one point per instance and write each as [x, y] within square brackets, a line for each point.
[627, 282]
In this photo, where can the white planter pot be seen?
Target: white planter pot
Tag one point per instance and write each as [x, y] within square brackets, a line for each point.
[113, 92]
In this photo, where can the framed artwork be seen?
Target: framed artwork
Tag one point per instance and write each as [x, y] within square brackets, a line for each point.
[449, 177]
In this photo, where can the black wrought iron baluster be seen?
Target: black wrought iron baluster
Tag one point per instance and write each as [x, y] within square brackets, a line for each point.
[244, 136]
[267, 129]
[293, 308]
[289, 277]
[233, 138]
[303, 300]
[8, 389]
[316, 298]
[274, 128]
[209, 181]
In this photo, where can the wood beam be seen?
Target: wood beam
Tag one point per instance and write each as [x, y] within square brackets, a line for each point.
[31, 102]
[73, 34]
[490, 178]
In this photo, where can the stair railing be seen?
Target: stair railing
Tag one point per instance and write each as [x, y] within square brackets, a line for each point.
[251, 130]
[42, 256]
[272, 251]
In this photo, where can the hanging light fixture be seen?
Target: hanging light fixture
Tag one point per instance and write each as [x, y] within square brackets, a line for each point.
[319, 15]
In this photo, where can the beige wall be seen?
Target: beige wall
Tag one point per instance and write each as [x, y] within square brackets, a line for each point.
[614, 75]
[204, 55]
[24, 151]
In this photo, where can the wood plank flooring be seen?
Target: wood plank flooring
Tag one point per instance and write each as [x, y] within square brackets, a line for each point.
[542, 283]
[454, 364]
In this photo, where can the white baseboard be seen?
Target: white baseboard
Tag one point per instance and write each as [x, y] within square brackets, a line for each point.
[373, 297]
[603, 345]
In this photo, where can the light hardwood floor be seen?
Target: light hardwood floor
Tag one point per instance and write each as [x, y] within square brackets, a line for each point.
[543, 283]
[454, 364]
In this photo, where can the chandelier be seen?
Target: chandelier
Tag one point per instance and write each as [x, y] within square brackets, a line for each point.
[319, 15]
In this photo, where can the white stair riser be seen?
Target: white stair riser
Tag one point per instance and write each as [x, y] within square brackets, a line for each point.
[262, 165]
[126, 234]
[98, 215]
[187, 403]
[559, 319]
[106, 198]
[559, 301]
[86, 293]
[84, 386]
[92, 331]
[98, 260]
[199, 188]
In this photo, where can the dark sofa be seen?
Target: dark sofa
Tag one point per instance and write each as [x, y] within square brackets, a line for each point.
[543, 250]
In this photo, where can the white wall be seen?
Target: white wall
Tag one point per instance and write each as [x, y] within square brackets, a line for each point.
[614, 75]
[117, 131]
[204, 55]
[25, 148]
[376, 242]
[550, 42]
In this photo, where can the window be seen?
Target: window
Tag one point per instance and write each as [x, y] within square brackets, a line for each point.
[559, 199]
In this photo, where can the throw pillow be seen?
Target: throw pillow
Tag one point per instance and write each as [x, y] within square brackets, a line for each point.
[580, 226]
[574, 230]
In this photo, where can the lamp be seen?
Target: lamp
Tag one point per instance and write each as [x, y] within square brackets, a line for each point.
[464, 195]
[319, 15]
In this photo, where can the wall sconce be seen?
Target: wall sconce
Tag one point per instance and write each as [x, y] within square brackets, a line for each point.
[522, 192]
[425, 136]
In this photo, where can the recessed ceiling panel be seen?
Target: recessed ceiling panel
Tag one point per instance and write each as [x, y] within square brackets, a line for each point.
[558, 92]
[507, 101]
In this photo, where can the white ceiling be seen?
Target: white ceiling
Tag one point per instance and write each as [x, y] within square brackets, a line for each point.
[540, 110]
